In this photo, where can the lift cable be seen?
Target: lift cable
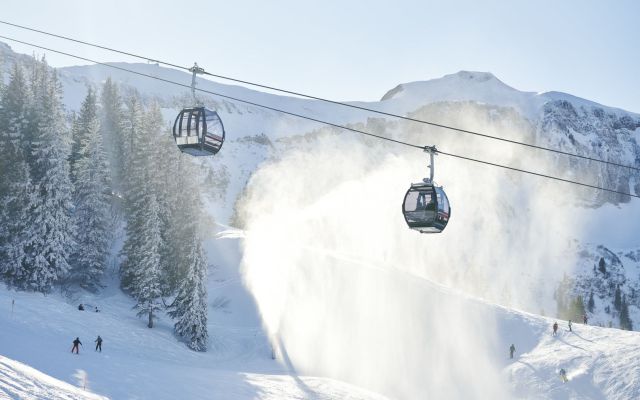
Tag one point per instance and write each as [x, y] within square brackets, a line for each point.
[322, 121]
[354, 106]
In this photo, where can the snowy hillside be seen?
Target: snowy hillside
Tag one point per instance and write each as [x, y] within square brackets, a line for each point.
[137, 362]
[19, 381]
[140, 363]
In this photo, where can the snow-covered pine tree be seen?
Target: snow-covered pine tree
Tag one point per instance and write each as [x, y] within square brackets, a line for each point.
[189, 307]
[140, 271]
[112, 127]
[591, 303]
[80, 129]
[625, 319]
[578, 307]
[134, 184]
[617, 299]
[16, 191]
[50, 227]
[147, 273]
[164, 181]
[91, 197]
[602, 266]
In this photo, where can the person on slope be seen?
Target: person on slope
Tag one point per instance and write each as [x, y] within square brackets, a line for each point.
[98, 344]
[563, 375]
[555, 328]
[512, 350]
[75, 347]
[570, 326]
[585, 319]
[80, 307]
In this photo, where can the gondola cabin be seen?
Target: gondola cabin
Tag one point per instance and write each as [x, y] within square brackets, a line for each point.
[198, 131]
[426, 208]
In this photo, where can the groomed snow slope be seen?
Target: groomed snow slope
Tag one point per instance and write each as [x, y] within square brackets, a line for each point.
[142, 363]
[19, 381]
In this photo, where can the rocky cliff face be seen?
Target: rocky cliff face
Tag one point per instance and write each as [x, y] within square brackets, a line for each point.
[599, 133]
[608, 277]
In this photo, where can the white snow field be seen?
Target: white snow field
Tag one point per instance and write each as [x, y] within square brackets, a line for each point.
[19, 381]
[142, 363]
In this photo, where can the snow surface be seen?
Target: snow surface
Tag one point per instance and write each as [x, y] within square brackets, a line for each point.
[141, 363]
[138, 363]
[19, 381]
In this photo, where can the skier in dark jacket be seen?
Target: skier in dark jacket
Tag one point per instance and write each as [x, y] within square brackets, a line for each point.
[75, 347]
[99, 344]
[585, 319]
[570, 326]
[81, 307]
[555, 328]
[563, 375]
[512, 350]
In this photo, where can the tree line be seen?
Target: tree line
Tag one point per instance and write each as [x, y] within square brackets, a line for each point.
[63, 176]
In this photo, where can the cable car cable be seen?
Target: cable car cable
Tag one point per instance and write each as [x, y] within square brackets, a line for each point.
[530, 145]
[318, 120]
[537, 174]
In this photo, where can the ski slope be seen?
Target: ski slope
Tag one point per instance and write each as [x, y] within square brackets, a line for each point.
[601, 363]
[19, 381]
[142, 363]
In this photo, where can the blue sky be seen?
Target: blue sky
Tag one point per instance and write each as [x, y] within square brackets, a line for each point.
[357, 50]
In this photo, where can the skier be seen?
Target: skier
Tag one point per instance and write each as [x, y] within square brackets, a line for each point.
[585, 319]
[563, 375]
[81, 307]
[512, 350]
[555, 328]
[75, 345]
[97, 309]
[570, 326]
[98, 344]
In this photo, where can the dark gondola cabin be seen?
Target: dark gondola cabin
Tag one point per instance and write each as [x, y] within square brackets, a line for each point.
[426, 208]
[198, 131]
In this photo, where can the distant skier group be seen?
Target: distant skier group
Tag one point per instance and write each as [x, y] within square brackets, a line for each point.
[562, 373]
[81, 308]
[77, 343]
[585, 320]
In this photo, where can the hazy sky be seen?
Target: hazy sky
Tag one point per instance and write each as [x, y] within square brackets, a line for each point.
[357, 50]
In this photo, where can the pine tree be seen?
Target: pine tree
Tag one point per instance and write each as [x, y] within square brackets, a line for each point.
[602, 267]
[50, 228]
[165, 182]
[147, 273]
[617, 299]
[591, 304]
[81, 128]
[134, 184]
[625, 320]
[578, 307]
[189, 307]
[16, 189]
[91, 215]
[112, 128]
[140, 271]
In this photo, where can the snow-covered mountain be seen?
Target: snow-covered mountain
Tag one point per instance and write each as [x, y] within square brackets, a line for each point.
[341, 287]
